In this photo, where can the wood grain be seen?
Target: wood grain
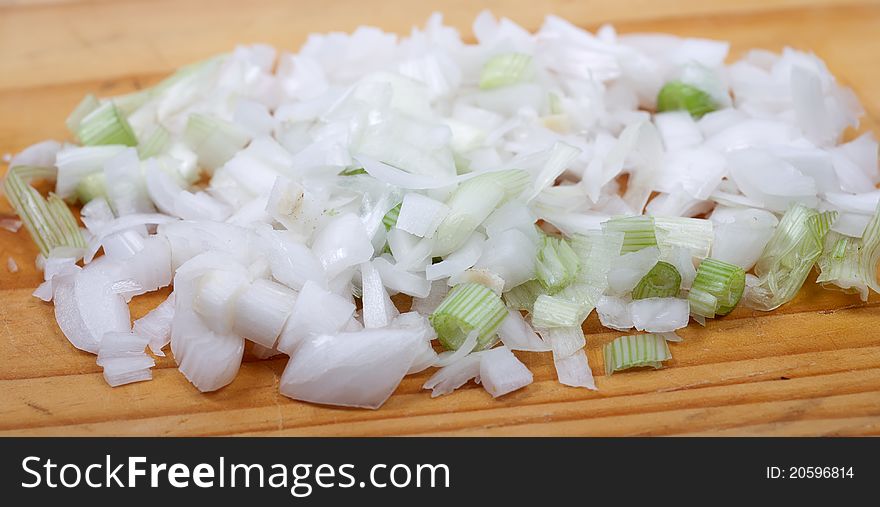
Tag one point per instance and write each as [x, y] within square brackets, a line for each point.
[810, 368]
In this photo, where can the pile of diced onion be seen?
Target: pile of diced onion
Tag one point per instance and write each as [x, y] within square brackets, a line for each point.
[509, 187]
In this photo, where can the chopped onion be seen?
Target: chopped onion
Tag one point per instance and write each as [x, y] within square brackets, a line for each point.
[359, 369]
[502, 373]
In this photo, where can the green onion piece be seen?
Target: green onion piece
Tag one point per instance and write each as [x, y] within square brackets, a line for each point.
[789, 256]
[49, 222]
[506, 69]
[638, 232]
[214, 141]
[717, 288]
[663, 281]
[93, 185]
[468, 307]
[869, 253]
[556, 264]
[469, 206]
[636, 350]
[553, 311]
[678, 96]
[694, 234]
[839, 265]
[156, 144]
[105, 125]
[88, 104]
[353, 172]
[523, 296]
[390, 218]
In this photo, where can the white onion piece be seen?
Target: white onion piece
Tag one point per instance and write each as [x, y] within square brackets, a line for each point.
[124, 184]
[451, 377]
[502, 373]
[209, 360]
[628, 269]
[96, 214]
[217, 296]
[851, 224]
[741, 234]
[809, 106]
[416, 322]
[162, 187]
[359, 369]
[122, 223]
[200, 206]
[123, 359]
[342, 243]
[683, 260]
[511, 255]
[55, 268]
[678, 130]
[41, 154]
[317, 311]
[393, 176]
[574, 370]
[659, 315]
[378, 310]
[458, 261]
[398, 280]
[261, 310]
[483, 277]
[614, 313]
[292, 263]
[86, 308]
[76, 162]
[428, 304]
[771, 181]
[190, 238]
[564, 341]
[865, 203]
[517, 334]
[451, 356]
[420, 215]
[155, 326]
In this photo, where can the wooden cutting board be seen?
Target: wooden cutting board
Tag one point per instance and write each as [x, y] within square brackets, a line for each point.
[810, 368]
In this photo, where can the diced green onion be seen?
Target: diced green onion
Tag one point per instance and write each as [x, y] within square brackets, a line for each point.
[638, 232]
[468, 307]
[694, 234]
[789, 256]
[49, 222]
[636, 350]
[105, 125]
[471, 203]
[88, 104]
[663, 281]
[353, 172]
[93, 185]
[156, 144]
[506, 69]
[214, 141]
[553, 311]
[390, 218]
[678, 96]
[523, 296]
[869, 253]
[556, 264]
[839, 265]
[717, 288]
